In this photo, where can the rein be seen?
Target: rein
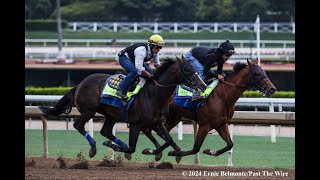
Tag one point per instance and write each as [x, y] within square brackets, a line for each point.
[231, 84]
[160, 85]
[171, 85]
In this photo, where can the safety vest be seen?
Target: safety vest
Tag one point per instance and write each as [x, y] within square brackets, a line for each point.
[130, 51]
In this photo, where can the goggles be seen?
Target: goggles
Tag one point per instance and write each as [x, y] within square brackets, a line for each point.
[158, 47]
[229, 53]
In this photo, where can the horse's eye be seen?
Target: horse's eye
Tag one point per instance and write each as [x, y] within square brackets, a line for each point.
[257, 73]
[187, 69]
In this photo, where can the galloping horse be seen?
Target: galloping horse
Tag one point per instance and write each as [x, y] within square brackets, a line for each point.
[144, 112]
[218, 108]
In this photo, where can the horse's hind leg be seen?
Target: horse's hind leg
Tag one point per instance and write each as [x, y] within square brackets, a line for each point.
[79, 125]
[133, 138]
[225, 135]
[106, 131]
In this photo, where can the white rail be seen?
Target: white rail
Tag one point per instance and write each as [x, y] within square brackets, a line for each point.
[271, 102]
[169, 42]
[73, 53]
[194, 27]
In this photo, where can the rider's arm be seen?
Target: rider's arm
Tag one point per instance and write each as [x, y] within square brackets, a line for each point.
[219, 69]
[140, 53]
[156, 60]
[207, 71]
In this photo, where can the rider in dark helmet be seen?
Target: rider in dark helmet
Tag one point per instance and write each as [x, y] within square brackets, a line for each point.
[204, 58]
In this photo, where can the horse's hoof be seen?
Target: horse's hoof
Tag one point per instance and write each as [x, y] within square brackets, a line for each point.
[108, 143]
[92, 152]
[209, 152]
[172, 153]
[178, 159]
[147, 151]
[127, 156]
[158, 157]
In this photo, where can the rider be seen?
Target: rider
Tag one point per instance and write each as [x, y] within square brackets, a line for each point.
[204, 58]
[133, 59]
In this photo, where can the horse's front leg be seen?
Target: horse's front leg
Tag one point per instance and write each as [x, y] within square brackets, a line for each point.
[148, 151]
[163, 133]
[148, 133]
[225, 135]
[201, 135]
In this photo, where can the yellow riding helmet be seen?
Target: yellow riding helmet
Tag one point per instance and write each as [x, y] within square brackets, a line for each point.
[156, 39]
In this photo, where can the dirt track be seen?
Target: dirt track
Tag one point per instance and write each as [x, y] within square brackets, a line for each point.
[41, 168]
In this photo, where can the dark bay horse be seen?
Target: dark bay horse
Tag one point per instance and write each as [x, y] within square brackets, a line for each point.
[219, 107]
[144, 112]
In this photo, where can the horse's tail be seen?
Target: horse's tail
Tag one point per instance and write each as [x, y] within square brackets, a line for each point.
[64, 105]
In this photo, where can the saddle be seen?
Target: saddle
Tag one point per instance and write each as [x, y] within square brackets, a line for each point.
[113, 82]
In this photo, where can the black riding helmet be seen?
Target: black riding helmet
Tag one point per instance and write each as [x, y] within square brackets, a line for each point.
[227, 48]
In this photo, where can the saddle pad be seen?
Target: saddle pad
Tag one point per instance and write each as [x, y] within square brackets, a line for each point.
[114, 80]
[183, 95]
[184, 91]
[112, 85]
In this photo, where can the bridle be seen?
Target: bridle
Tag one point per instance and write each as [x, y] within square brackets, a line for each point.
[241, 86]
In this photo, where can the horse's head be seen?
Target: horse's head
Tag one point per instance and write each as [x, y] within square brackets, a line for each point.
[189, 76]
[260, 80]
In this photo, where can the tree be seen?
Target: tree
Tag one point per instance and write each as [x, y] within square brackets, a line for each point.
[38, 9]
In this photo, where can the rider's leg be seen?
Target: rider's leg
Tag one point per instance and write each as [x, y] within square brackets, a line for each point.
[195, 63]
[199, 69]
[129, 66]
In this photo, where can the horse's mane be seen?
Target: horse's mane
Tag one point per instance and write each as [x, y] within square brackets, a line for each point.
[168, 62]
[238, 66]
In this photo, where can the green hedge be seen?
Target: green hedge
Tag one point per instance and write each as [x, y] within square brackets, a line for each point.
[277, 94]
[46, 91]
[44, 25]
[63, 90]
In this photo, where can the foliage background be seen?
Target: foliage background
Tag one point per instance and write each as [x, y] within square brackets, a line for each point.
[163, 10]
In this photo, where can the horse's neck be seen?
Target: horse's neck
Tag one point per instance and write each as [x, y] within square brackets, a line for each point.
[233, 93]
[170, 78]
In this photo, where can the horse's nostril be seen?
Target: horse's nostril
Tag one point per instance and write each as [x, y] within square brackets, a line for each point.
[272, 90]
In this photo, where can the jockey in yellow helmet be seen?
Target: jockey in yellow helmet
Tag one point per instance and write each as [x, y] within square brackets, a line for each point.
[134, 57]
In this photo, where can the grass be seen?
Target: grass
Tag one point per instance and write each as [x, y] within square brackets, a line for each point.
[67, 34]
[247, 151]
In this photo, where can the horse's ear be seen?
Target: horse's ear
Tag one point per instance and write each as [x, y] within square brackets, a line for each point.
[249, 62]
[256, 61]
[178, 59]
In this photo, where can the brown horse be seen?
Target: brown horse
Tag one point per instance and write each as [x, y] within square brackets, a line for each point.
[219, 107]
[144, 112]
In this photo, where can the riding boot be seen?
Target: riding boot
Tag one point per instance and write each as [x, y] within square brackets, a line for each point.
[122, 93]
[126, 83]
